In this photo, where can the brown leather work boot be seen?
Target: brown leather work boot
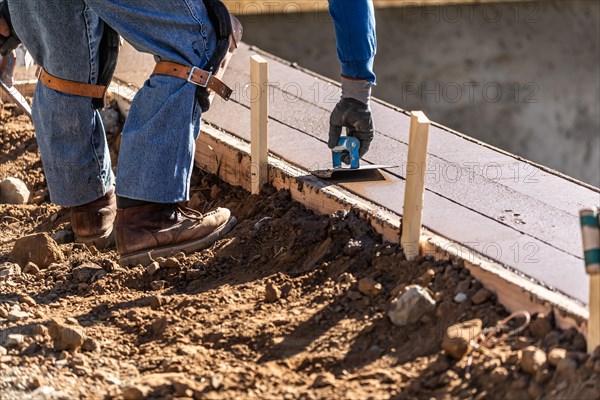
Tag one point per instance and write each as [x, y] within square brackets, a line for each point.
[150, 231]
[93, 222]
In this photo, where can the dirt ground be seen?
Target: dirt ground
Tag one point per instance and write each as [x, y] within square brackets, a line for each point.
[273, 311]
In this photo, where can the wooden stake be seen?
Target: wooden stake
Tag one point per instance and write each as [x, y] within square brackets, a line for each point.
[415, 184]
[590, 235]
[259, 76]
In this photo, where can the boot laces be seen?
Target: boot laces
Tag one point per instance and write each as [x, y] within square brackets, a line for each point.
[190, 213]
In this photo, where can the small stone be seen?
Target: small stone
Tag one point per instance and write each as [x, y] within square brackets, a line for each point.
[138, 392]
[456, 341]
[64, 236]
[85, 272]
[323, 380]
[532, 359]
[172, 263]
[540, 327]
[460, 297]
[90, 344]
[38, 248]
[65, 337]
[3, 312]
[272, 293]
[463, 286]
[427, 277]
[17, 315]
[369, 287]
[3, 351]
[152, 268]
[28, 300]
[156, 302]
[481, 296]
[410, 307]
[157, 285]
[13, 191]
[556, 355]
[499, 374]
[31, 269]
[14, 339]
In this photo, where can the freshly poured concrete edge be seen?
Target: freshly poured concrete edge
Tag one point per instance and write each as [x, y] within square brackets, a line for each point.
[228, 157]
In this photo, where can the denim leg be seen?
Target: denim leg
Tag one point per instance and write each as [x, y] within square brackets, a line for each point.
[157, 146]
[64, 38]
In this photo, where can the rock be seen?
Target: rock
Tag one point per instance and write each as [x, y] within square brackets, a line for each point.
[13, 191]
[481, 296]
[540, 327]
[323, 380]
[463, 286]
[152, 268]
[85, 272]
[460, 297]
[410, 307]
[156, 302]
[556, 355]
[427, 277]
[215, 191]
[457, 337]
[369, 287]
[157, 285]
[532, 359]
[172, 263]
[138, 392]
[3, 351]
[14, 339]
[158, 326]
[3, 313]
[8, 269]
[63, 236]
[499, 374]
[31, 269]
[272, 293]
[90, 344]
[18, 315]
[38, 248]
[567, 367]
[65, 337]
[28, 300]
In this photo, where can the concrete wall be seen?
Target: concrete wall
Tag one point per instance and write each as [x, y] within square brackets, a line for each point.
[524, 76]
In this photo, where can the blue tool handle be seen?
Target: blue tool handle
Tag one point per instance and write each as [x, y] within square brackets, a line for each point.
[346, 144]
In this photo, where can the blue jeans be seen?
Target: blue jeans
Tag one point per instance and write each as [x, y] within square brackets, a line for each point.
[157, 146]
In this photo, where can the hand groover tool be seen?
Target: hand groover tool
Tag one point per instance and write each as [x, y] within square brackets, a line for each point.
[346, 150]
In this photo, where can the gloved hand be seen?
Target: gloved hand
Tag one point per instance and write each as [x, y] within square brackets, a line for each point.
[353, 113]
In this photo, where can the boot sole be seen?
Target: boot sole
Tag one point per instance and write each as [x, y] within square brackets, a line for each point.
[147, 256]
[100, 242]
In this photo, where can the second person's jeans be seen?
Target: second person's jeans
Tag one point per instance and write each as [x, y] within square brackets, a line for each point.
[157, 146]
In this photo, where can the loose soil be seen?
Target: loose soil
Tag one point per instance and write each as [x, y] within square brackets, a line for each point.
[271, 311]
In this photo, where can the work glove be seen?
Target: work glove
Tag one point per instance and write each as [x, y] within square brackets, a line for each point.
[353, 113]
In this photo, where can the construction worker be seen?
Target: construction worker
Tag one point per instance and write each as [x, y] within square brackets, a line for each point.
[76, 44]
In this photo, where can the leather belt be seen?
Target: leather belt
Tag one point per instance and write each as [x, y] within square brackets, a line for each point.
[194, 75]
[71, 87]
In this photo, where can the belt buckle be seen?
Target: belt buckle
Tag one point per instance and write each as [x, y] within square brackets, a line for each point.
[191, 75]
